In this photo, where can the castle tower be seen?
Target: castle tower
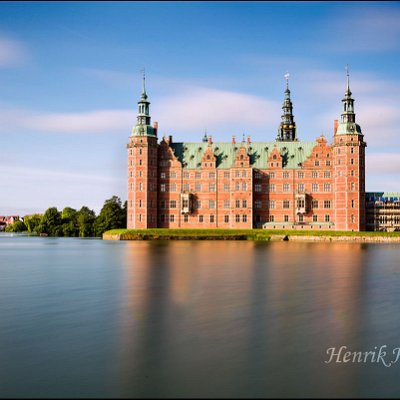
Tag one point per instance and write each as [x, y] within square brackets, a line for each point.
[349, 169]
[287, 128]
[142, 169]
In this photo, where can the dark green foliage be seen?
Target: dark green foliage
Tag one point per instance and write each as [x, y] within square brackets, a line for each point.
[32, 222]
[85, 220]
[17, 226]
[112, 216]
[50, 223]
[69, 222]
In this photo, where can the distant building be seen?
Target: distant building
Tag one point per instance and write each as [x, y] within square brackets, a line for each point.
[280, 184]
[7, 220]
[383, 211]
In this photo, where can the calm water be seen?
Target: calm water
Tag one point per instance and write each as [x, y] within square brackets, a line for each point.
[83, 318]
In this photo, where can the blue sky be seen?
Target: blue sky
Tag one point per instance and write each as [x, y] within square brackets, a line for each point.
[70, 81]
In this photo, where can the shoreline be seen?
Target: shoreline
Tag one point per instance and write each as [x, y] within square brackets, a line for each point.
[252, 235]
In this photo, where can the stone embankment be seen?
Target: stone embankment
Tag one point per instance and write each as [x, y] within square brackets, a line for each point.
[110, 236]
[271, 237]
[356, 239]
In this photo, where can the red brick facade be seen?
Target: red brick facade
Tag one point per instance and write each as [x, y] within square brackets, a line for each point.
[276, 185]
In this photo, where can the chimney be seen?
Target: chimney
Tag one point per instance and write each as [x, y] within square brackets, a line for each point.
[233, 139]
[335, 126]
[209, 140]
[248, 140]
[155, 126]
[170, 139]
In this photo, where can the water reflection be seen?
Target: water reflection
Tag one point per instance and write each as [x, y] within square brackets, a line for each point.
[197, 319]
[243, 318]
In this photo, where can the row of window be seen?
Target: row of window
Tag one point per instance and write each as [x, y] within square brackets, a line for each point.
[317, 163]
[300, 187]
[243, 187]
[339, 162]
[327, 174]
[242, 204]
[141, 162]
[141, 151]
[198, 187]
[243, 218]
[300, 218]
[201, 218]
[339, 173]
[300, 203]
[141, 217]
[243, 174]
[238, 187]
[198, 175]
[351, 149]
[258, 204]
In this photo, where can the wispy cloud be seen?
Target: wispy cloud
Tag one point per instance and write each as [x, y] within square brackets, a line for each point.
[200, 107]
[87, 122]
[376, 102]
[82, 122]
[190, 110]
[15, 172]
[12, 52]
[43, 188]
[365, 29]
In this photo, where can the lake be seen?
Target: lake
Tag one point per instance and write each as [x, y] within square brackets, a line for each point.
[93, 318]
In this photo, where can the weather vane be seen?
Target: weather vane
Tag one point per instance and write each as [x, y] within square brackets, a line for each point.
[143, 71]
[347, 69]
[287, 78]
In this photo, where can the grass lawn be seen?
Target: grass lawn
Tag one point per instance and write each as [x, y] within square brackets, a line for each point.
[243, 234]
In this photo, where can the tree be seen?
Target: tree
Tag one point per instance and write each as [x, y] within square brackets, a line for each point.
[32, 222]
[68, 213]
[51, 222]
[17, 226]
[69, 219]
[85, 221]
[112, 216]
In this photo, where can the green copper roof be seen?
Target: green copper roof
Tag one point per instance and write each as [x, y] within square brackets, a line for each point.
[383, 195]
[349, 127]
[143, 130]
[293, 153]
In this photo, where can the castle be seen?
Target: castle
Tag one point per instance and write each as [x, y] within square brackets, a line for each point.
[280, 184]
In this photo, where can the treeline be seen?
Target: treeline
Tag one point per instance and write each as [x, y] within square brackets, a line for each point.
[70, 222]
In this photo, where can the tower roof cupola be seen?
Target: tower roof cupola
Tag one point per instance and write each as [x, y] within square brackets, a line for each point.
[287, 127]
[348, 117]
[143, 125]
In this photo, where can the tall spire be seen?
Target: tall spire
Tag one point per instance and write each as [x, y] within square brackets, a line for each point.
[143, 117]
[287, 81]
[143, 120]
[287, 127]
[348, 92]
[348, 103]
[348, 123]
[144, 94]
